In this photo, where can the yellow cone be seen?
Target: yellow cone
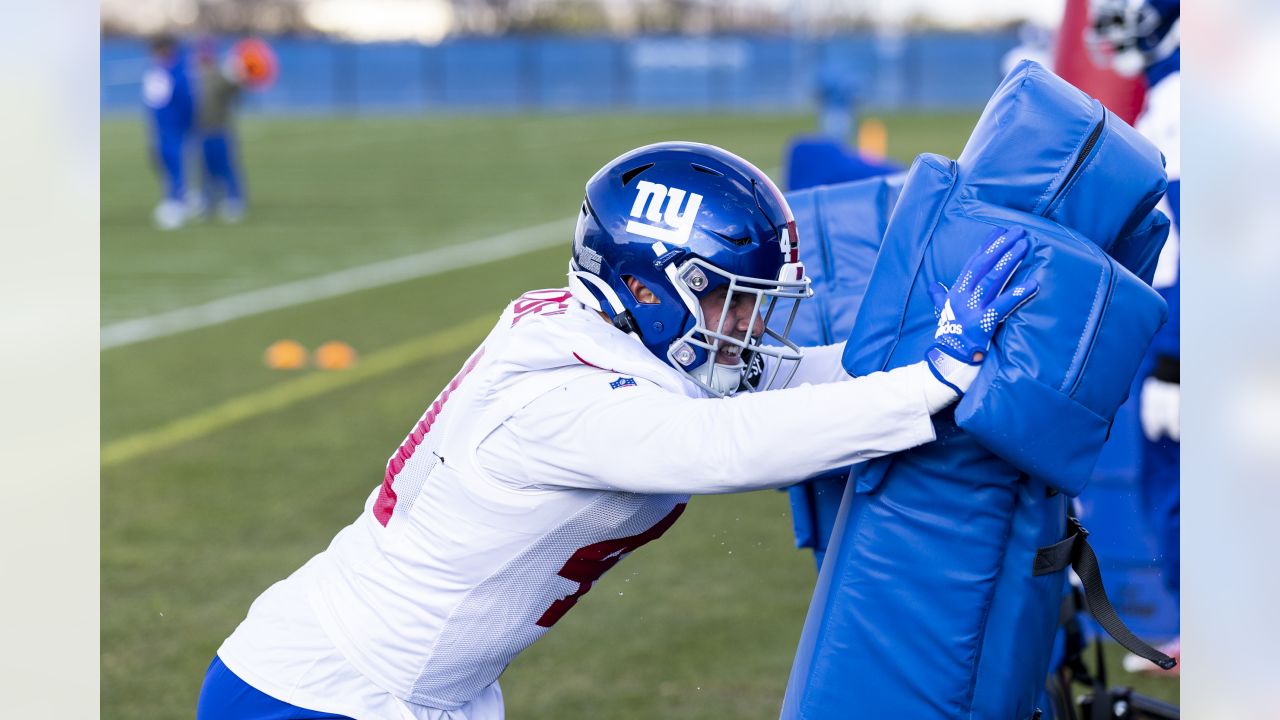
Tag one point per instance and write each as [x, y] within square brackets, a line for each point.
[335, 355]
[285, 355]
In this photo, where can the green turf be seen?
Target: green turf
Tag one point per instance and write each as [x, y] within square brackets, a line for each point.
[700, 625]
[331, 193]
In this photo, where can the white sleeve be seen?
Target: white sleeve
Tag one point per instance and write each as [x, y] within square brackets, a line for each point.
[641, 438]
[820, 364]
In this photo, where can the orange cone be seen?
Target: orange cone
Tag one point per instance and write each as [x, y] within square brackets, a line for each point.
[335, 355]
[285, 355]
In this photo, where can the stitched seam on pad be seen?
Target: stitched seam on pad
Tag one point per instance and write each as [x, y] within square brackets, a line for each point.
[1077, 358]
[952, 170]
[828, 268]
[986, 612]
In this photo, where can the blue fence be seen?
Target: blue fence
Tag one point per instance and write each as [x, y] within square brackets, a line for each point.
[933, 70]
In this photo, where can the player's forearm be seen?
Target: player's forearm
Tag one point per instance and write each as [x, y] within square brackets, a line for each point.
[804, 431]
[773, 439]
[821, 364]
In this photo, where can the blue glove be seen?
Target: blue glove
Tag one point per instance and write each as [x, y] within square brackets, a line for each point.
[975, 305]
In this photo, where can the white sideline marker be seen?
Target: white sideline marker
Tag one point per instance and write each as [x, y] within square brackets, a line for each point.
[364, 277]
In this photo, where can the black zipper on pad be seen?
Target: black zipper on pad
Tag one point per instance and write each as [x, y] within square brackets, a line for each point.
[1081, 157]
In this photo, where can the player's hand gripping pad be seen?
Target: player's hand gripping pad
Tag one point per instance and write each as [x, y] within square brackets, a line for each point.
[926, 606]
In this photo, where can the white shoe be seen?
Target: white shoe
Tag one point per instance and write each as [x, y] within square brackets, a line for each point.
[197, 206]
[230, 211]
[170, 214]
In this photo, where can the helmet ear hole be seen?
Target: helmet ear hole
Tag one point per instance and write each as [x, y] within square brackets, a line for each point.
[638, 290]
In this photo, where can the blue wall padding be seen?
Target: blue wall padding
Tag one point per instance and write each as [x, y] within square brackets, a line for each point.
[818, 160]
[926, 605]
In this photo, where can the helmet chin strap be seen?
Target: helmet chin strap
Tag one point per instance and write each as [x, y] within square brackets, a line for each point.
[621, 317]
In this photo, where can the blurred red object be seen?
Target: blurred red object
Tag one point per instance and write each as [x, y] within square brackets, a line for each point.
[1073, 62]
[258, 66]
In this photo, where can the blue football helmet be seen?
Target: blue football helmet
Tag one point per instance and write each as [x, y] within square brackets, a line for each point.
[1131, 35]
[693, 222]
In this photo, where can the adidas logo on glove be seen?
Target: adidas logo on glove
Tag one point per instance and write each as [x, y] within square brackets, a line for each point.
[947, 324]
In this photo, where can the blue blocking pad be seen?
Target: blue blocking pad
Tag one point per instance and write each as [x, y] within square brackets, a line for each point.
[1050, 413]
[927, 606]
[838, 257]
[841, 228]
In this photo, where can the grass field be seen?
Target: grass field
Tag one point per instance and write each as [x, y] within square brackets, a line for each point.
[221, 476]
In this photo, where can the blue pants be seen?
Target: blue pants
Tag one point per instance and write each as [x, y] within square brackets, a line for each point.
[1162, 500]
[225, 696]
[168, 149]
[835, 120]
[222, 177]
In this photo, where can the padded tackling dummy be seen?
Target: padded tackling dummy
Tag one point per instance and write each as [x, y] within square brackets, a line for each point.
[940, 593]
[837, 258]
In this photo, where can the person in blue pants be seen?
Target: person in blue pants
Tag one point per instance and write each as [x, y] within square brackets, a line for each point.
[1142, 36]
[220, 90]
[166, 93]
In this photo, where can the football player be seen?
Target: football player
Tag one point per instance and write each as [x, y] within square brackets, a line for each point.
[166, 92]
[250, 64]
[576, 432]
[1141, 36]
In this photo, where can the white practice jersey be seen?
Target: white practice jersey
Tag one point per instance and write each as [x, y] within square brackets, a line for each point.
[561, 446]
[1161, 123]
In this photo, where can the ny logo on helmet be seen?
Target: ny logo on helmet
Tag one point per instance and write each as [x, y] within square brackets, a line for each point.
[650, 216]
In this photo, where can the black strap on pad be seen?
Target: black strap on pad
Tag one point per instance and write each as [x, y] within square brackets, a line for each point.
[1075, 551]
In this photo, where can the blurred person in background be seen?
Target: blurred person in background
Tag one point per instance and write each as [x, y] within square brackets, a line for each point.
[575, 434]
[167, 95]
[1035, 42]
[250, 64]
[827, 157]
[1142, 37]
[837, 94]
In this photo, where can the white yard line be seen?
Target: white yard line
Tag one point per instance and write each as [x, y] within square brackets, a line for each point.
[424, 264]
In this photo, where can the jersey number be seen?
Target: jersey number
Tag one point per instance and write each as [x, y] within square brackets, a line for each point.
[590, 562]
[540, 302]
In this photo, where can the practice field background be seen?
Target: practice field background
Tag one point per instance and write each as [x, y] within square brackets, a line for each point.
[221, 476]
